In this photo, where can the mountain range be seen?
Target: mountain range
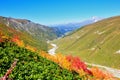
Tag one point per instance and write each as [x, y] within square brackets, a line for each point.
[96, 41]
[63, 29]
[34, 29]
[36, 34]
[23, 43]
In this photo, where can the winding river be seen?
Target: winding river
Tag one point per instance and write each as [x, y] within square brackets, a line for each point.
[52, 51]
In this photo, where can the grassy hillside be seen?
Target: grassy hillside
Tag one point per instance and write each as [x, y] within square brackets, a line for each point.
[30, 66]
[36, 64]
[96, 43]
[23, 25]
[27, 38]
[31, 33]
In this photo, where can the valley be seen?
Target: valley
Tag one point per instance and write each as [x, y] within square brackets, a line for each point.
[59, 39]
[21, 37]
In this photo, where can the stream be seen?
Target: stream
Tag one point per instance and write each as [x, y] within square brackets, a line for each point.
[52, 51]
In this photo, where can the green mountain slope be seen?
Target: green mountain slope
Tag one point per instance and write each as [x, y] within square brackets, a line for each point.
[31, 33]
[96, 43]
[30, 65]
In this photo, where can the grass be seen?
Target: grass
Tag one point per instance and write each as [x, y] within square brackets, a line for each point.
[81, 42]
[30, 65]
[27, 38]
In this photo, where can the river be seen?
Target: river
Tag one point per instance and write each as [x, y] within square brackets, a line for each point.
[52, 51]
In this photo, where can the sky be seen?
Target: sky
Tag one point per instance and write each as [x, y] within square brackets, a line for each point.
[59, 11]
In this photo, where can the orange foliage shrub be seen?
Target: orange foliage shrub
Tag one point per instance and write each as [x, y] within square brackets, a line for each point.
[18, 41]
[31, 48]
[100, 75]
[68, 62]
[58, 58]
[63, 62]
[3, 37]
[77, 64]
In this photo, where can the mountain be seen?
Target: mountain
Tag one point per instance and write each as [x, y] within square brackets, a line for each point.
[95, 43]
[62, 29]
[34, 29]
[22, 57]
[31, 33]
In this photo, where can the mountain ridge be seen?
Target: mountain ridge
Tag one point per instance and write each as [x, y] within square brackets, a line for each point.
[28, 26]
[63, 29]
[31, 33]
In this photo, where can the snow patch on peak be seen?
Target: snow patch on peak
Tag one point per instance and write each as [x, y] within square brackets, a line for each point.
[95, 18]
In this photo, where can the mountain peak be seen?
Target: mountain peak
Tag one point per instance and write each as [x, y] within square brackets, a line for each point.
[96, 18]
[67, 27]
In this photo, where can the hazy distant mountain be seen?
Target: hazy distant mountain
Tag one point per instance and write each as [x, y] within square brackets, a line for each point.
[61, 29]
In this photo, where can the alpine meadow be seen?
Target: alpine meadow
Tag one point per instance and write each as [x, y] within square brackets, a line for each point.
[59, 40]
